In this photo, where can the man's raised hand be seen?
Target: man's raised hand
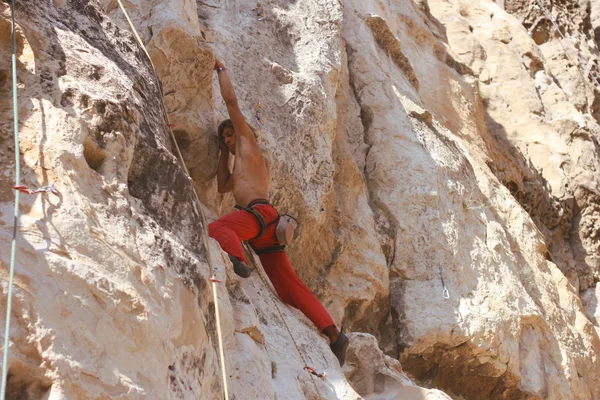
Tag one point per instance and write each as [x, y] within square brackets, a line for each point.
[218, 64]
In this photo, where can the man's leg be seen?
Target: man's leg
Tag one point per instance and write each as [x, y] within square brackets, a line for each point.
[295, 293]
[292, 290]
[230, 230]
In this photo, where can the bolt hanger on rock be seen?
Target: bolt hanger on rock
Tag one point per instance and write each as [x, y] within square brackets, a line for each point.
[213, 278]
[259, 111]
[321, 375]
[445, 293]
[44, 189]
[259, 11]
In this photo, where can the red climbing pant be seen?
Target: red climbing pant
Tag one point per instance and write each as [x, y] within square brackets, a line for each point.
[231, 229]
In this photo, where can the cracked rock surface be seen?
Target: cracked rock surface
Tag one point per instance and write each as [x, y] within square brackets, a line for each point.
[417, 142]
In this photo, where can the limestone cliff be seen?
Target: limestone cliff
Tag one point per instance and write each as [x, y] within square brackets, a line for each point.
[414, 140]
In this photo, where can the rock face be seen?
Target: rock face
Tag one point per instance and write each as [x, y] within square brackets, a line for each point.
[377, 376]
[417, 142]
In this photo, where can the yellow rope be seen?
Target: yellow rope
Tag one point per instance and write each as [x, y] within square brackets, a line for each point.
[204, 224]
[264, 281]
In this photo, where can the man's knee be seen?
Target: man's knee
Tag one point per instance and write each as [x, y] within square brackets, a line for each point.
[213, 229]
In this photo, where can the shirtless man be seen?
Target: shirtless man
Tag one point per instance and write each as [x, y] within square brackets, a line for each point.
[249, 183]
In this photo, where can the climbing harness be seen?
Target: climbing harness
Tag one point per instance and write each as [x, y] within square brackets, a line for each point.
[13, 250]
[44, 189]
[284, 231]
[214, 270]
[307, 368]
[257, 215]
[577, 54]
[205, 236]
[259, 11]
[258, 116]
[445, 293]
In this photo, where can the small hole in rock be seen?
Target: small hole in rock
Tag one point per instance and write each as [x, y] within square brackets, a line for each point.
[94, 155]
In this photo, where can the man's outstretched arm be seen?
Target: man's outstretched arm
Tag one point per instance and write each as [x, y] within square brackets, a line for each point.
[237, 118]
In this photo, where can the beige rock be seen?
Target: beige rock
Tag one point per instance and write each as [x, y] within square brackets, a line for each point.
[592, 309]
[550, 122]
[415, 142]
[380, 377]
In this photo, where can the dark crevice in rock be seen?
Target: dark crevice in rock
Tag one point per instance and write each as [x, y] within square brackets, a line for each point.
[384, 223]
[26, 383]
[401, 336]
[552, 216]
[386, 39]
[442, 54]
[461, 370]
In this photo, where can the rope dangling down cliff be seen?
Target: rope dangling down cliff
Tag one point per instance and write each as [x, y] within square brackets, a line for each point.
[13, 250]
[213, 270]
[307, 368]
[51, 188]
[213, 279]
[231, 229]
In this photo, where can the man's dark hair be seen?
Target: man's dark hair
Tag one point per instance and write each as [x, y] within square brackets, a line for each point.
[228, 124]
[225, 124]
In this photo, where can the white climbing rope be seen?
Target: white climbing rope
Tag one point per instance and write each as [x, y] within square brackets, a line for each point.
[311, 371]
[213, 269]
[13, 251]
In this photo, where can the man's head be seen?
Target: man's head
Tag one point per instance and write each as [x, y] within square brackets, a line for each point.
[226, 133]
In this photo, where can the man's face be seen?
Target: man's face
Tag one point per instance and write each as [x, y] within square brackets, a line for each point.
[229, 139]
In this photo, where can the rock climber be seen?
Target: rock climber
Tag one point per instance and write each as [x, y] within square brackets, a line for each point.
[249, 183]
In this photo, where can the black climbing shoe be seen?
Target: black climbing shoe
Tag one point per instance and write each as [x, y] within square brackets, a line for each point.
[339, 347]
[240, 268]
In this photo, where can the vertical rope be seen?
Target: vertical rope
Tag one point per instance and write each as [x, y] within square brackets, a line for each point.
[13, 250]
[264, 281]
[201, 211]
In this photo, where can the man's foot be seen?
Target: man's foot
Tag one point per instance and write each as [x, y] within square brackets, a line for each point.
[240, 267]
[339, 347]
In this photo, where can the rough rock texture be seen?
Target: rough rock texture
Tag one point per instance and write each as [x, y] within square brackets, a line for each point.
[413, 140]
[541, 115]
[590, 300]
[378, 376]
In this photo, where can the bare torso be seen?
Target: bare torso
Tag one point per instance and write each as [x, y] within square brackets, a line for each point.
[251, 175]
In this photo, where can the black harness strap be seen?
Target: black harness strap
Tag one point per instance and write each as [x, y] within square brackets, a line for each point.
[276, 220]
[263, 226]
[259, 217]
[270, 249]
